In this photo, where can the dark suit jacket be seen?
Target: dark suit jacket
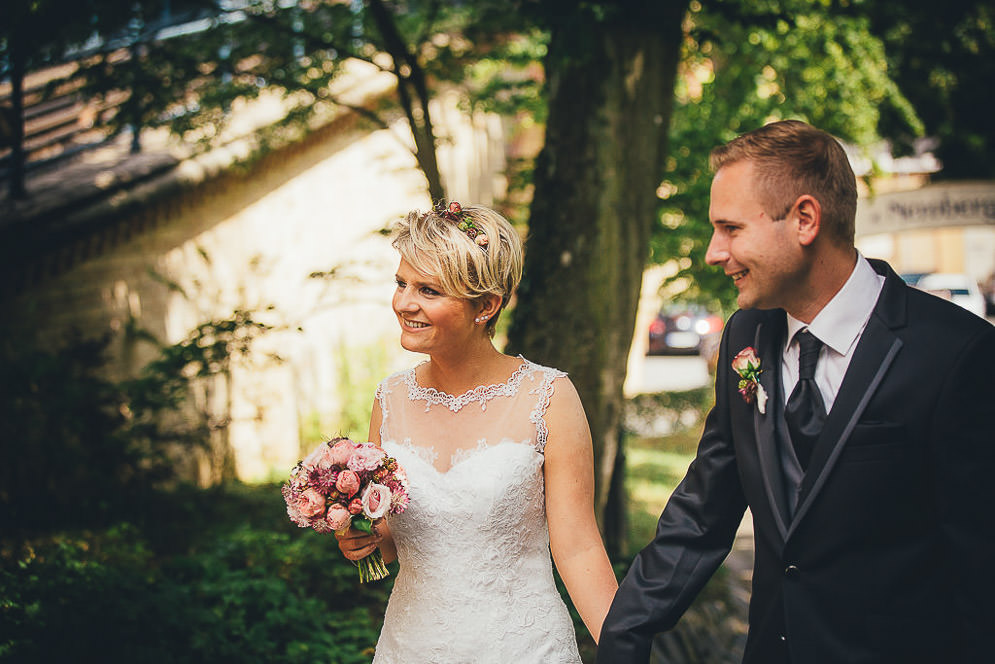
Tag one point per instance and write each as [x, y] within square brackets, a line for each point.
[889, 554]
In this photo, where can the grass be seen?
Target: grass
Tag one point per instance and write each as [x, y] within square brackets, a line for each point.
[654, 468]
[714, 627]
[655, 464]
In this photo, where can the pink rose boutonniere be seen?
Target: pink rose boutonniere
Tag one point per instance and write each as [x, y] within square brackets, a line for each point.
[747, 365]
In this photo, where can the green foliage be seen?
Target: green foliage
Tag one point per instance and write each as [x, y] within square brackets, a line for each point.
[942, 55]
[241, 595]
[359, 371]
[190, 81]
[714, 627]
[655, 463]
[38, 31]
[78, 447]
[65, 449]
[744, 66]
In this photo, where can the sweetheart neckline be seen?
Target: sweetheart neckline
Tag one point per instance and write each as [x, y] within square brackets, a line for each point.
[468, 453]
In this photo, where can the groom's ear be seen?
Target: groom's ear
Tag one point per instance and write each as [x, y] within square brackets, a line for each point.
[809, 215]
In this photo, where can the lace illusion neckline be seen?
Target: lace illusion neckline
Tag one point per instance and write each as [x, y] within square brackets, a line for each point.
[480, 394]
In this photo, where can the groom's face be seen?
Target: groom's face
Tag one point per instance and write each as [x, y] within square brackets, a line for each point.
[761, 255]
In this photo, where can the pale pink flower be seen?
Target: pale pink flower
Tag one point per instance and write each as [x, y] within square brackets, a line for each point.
[325, 458]
[366, 457]
[311, 503]
[376, 500]
[300, 480]
[341, 451]
[747, 365]
[312, 459]
[347, 483]
[356, 506]
[338, 517]
[746, 360]
[291, 499]
[399, 501]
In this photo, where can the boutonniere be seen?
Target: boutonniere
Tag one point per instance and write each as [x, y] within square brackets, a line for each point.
[747, 365]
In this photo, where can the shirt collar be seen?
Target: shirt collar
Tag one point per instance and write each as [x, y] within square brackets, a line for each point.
[843, 318]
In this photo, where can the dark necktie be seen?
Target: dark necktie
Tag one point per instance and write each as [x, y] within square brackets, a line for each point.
[805, 411]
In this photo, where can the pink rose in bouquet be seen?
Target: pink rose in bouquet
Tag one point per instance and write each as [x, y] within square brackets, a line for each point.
[366, 456]
[341, 451]
[339, 518]
[342, 484]
[347, 483]
[376, 501]
[311, 503]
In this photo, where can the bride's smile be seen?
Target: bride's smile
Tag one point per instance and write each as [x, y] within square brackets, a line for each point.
[429, 319]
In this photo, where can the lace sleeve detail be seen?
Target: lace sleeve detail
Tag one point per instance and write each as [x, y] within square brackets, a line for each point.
[381, 396]
[538, 416]
[384, 389]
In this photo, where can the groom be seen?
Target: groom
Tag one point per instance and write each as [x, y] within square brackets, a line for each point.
[860, 437]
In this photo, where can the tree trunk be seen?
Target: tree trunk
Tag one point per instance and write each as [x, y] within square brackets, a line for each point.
[611, 85]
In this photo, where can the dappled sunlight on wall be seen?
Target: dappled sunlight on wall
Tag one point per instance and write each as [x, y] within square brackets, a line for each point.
[296, 241]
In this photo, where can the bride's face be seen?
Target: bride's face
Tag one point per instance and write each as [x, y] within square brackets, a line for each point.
[430, 320]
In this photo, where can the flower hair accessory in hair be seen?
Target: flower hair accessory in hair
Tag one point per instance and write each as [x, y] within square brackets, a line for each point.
[454, 213]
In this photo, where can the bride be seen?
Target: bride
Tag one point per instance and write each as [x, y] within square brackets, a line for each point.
[499, 462]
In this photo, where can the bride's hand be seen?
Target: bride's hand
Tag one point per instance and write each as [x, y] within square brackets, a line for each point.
[356, 545]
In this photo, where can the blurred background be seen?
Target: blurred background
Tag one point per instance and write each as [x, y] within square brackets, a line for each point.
[196, 275]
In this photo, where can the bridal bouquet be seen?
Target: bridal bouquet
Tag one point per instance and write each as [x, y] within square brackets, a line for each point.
[343, 484]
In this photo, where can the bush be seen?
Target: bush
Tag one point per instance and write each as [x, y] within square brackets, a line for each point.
[249, 596]
[79, 448]
[65, 455]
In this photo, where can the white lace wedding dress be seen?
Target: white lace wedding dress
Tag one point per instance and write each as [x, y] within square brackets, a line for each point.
[476, 580]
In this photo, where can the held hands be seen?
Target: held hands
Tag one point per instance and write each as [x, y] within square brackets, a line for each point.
[356, 545]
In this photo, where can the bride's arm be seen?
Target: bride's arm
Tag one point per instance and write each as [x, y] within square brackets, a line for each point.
[574, 539]
[355, 544]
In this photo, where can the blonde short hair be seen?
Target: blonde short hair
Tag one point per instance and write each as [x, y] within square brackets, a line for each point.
[792, 158]
[434, 245]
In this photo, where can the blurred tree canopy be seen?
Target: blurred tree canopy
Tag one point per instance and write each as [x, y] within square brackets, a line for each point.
[746, 64]
[942, 56]
[184, 64]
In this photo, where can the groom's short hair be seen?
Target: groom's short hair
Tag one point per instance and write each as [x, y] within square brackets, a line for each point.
[790, 159]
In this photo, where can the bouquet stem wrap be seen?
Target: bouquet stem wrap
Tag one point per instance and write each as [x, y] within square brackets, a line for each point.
[372, 567]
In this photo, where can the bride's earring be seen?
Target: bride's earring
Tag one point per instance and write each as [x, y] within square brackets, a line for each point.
[481, 319]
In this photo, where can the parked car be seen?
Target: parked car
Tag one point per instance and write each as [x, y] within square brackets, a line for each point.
[958, 288]
[684, 330]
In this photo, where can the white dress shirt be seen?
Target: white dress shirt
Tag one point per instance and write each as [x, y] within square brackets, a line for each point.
[839, 326]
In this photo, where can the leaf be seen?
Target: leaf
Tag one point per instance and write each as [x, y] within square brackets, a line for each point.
[363, 524]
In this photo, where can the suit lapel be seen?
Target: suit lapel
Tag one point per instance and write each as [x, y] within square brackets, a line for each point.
[874, 354]
[768, 342]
